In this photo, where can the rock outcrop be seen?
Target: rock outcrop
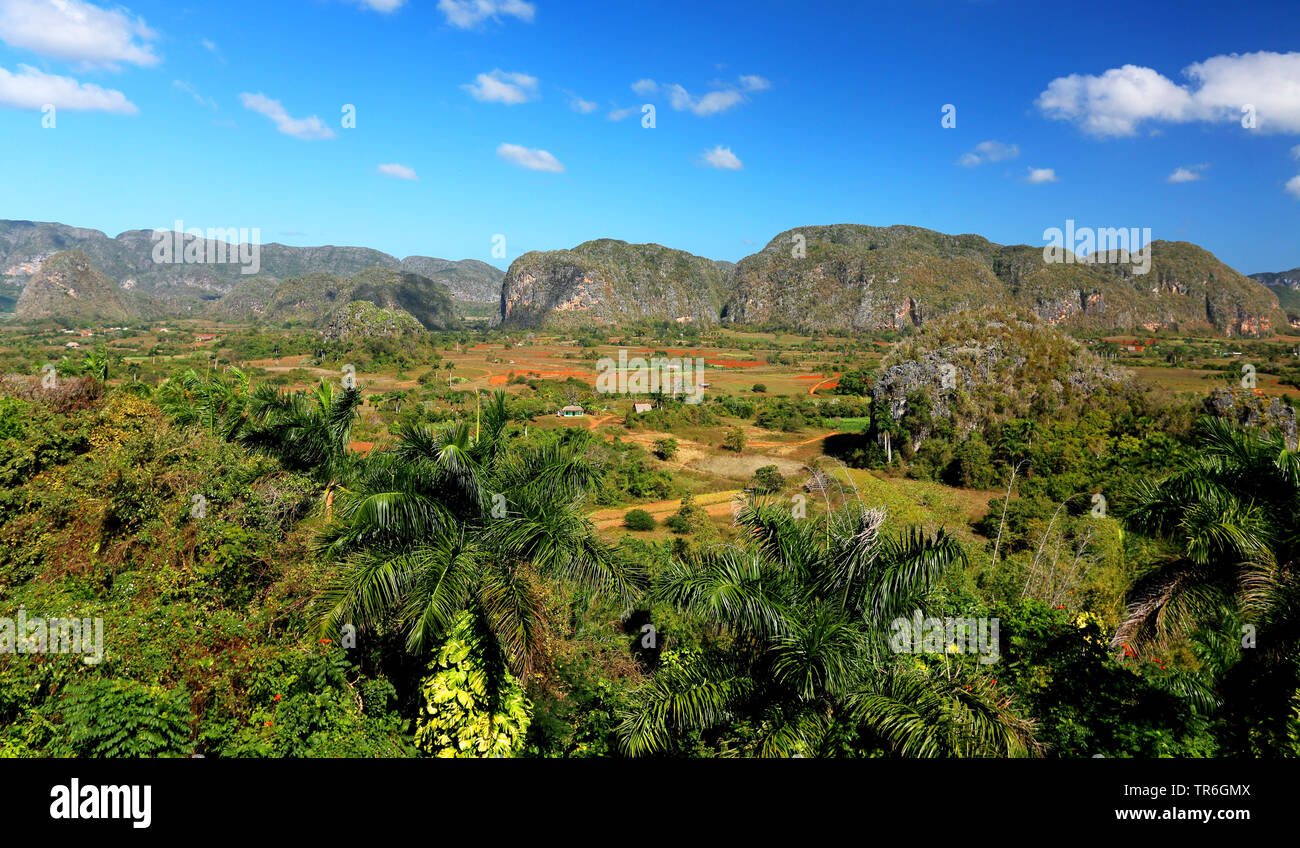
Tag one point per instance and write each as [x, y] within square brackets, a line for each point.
[608, 282]
[68, 289]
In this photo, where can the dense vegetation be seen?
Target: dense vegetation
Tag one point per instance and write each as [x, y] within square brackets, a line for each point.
[294, 564]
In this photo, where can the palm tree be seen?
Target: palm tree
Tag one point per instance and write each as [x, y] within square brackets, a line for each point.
[307, 432]
[97, 363]
[215, 402]
[1229, 512]
[800, 612]
[1230, 515]
[453, 520]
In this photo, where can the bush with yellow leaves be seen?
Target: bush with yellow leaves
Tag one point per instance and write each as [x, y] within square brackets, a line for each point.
[472, 706]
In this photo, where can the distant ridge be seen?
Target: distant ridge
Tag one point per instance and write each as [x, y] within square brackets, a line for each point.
[1286, 285]
[840, 277]
[128, 259]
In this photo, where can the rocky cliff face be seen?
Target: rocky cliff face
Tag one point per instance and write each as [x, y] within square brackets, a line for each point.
[608, 282]
[973, 367]
[860, 278]
[1251, 410]
[849, 277]
[68, 289]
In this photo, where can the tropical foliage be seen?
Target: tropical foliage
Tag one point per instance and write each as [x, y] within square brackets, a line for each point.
[802, 611]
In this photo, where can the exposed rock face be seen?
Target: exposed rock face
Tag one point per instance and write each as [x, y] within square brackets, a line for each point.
[977, 366]
[1247, 408]
[68, 289]
[607, 282]
[850, 277]
[362, 319]
[937, 373]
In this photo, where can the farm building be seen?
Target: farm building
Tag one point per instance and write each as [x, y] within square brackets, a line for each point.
[638, 408]
[570, 411]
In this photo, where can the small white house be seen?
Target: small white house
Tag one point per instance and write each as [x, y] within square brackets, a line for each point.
[639, 408]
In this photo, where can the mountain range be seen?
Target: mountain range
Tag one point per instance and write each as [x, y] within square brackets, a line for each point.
[129, 259]
[1285, 284]
[848, 277]
[842, 277]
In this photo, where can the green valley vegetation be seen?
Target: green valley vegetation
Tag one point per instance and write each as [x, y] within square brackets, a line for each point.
[381, 540]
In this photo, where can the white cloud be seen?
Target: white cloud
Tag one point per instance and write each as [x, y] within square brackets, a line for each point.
[1187, 175]
[32, 89]
[577, 104]
[645, 87]
[1268, 81]
[498, 86]
[384, 6]
[401, 172]
[306, 128]
[717, 101]
[76, 31]
[988, 151]
[722, 158]
[724, 97]
[180, 85]
[533, 160]
[467, 14]
[211, 47]
[1119, 100]
[1295, 151]
[1041, 175]
[1115, 102]
[710, 104]
[620, 114]
[1293, 185]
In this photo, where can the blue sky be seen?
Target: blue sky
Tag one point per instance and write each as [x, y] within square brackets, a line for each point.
[768, 116]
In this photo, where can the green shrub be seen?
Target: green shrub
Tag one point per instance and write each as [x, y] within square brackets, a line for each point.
[123, 718]
[665, 449]
[767, 480]
[677, 523]
[639, 519]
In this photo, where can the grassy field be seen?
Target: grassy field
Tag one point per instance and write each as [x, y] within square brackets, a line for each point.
[735, 363]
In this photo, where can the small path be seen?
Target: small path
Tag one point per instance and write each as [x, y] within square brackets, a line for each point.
[792, 444]
[713, 503]
[813, 389]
